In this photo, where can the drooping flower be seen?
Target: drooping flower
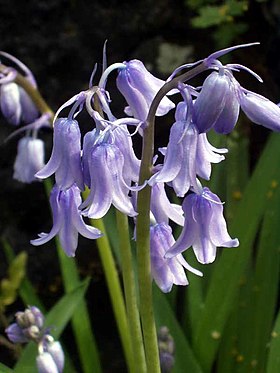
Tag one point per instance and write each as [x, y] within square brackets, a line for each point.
[162, 209]
[205, 155]
[260, 110]
[167, 271]
[67, 220]
[10, 102]
[217, 105]
[29, 159]
[45, 363]
[105, 164]
[204, 229]
[65, 160]
[139, 88]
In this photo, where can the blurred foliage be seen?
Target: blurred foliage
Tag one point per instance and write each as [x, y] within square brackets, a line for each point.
[9, 286]
[227, 16]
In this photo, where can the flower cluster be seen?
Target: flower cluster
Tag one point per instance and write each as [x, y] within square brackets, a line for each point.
[104, 160]
[29, 326]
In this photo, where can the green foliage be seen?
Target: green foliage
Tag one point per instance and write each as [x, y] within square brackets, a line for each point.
[10, 285]
[225, 17]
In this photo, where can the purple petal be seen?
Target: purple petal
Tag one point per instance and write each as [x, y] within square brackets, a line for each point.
[261, 110]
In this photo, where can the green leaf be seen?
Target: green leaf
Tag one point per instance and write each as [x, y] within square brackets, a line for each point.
[185, 360]
[228, 271]
[5, 369]
[57, 318]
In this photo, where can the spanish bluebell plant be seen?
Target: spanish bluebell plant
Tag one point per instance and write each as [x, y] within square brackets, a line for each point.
[104, 168]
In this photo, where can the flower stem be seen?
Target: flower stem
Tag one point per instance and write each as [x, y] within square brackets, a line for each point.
[143, 224]
[130, 293]
[116, 295]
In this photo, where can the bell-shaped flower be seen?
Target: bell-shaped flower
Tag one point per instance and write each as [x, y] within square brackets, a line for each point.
[260, 110]
[10, 102]
[204, 229]
[67, 220]
[65, 160]
[139, 88]
[162, 209]
[105, 164]
[46, 364]
[217, 104]
[167, 271]
[179, 167]
[29, 159]
[55, 350]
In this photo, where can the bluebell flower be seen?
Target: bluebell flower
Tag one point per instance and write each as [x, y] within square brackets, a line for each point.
[55, 350]
[162, 209]
[105, 163]
[260, 110]
[29, 159]
[205, 227]
[10, 102]
[205, 155]
[65, 161]
[45, 363]
[139, 88]
[167, 271]
[67, 220]
[217, 105]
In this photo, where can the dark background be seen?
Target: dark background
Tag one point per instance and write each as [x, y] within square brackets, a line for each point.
[60, 41]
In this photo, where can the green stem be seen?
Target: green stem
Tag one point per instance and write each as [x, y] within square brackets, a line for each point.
[130, 294]
[143, 225]
[115, 291]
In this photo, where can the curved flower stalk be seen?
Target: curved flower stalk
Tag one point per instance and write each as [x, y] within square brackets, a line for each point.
[204, 229]
[29, 326]
[167, 271]
[67, 220]
[139, 88]
[105, 163]
[65, 160]
[29, 159]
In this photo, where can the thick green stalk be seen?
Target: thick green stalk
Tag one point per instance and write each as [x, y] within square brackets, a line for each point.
[115, 291]
[143, 225]
[130, 293]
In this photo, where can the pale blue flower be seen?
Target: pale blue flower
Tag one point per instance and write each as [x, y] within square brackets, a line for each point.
[65, 161]
[29, 159]
[139, 88]
[105, 164]
[10, 102]
[46, 364]
[67, 220]
[167, 271]
[205, 227]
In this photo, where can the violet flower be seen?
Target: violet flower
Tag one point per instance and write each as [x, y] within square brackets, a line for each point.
[67, 220]
[29, 159]
[162, 209]
[10, 102]
[65, 160]
[139, 88]
[217, 105]
[167, 271]
[205, 227]
[260, 110]
[105, 163]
